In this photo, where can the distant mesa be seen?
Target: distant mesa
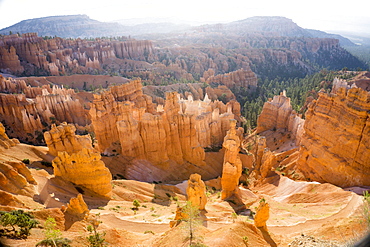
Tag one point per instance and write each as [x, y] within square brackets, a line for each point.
[81, 26]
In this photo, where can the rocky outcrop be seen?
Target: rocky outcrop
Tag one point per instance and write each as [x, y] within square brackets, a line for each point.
[110, 107]
[335, 146]
[179, 216]
[21, 117]
[5, 142]
[16, 178]
[84, 168]
[196, 191]
[76, 209]
[9, 60]
[242, 78]
[232, 167]
[62, 138]
[176, 131]
[279, 114]
[59, 56]
[77, 161]
[27, 111]
[262, 215]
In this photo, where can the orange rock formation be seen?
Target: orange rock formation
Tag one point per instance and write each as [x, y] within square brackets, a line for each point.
[232, 167]
[59, 56]
[262, 215]
[244, 78]
[84, 168]
[176, 132]
[339, 122]
[77, 208]
[77, 161]
[5, 142]
[16, 178]
[196, 191]
[331, 145]
[279, 114]
[63, 138]
[31, 109]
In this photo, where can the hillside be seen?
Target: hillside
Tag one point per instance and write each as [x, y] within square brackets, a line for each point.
[71, 26]
[81, 26]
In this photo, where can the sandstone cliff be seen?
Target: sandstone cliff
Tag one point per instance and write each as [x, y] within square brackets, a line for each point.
[331, 145]
[28, 110]
[275, 150]
[170, 137]
[115, 116]
[335, 145]
[59, 56]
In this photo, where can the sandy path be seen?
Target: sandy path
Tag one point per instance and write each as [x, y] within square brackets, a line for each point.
[112, 221]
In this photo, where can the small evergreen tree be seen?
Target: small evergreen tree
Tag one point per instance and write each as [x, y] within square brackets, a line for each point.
[95, 239]
[192, 222]
[53, 235]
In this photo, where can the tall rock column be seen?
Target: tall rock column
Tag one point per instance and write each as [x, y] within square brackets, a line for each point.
[232, 167]
[196, 191]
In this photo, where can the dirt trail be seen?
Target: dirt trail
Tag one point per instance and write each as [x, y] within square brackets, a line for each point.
[346, 212]
[112, 221]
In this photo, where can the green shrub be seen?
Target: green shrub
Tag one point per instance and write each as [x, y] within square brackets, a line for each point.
[20, 222]
[136, 204]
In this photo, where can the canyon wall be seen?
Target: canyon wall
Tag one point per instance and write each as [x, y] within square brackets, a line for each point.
[15, 177]
[26, 111]
[331, 144]
[31, 54]
[5, 141]
[336, 143]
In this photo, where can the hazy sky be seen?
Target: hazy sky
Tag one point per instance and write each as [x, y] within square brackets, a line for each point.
[316, 14]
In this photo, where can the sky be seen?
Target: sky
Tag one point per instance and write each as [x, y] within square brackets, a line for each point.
[314, 14]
